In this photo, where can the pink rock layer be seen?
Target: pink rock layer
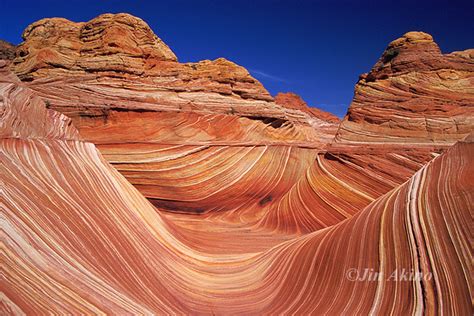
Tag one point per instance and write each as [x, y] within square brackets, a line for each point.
[251, 207]
[79, 239]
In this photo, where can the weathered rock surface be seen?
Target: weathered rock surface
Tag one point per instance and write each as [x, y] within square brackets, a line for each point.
[126, 66]
[89, 74]
[7, 50]
[110, 42]
[413, 94]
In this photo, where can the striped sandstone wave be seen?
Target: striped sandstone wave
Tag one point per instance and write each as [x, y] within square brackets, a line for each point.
[135, 184]
[78, 238]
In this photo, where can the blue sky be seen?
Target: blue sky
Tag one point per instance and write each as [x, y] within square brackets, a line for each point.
[316, 49]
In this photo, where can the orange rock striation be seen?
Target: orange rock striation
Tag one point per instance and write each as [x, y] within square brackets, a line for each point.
[257, 210]
[78, 238]
[134, 104]
[414, 94]
[323, 122]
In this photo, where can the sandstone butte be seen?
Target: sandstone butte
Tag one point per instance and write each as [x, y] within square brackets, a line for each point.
[413, 94]
[133, 183]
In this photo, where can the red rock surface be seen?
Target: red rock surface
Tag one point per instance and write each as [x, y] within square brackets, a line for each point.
[413, 94]
[294, 101]
[324, 122]
[255, 212]
[83, 240]
[143, 104]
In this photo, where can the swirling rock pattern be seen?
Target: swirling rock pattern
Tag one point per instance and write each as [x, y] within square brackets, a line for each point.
[136, 109]
[20, 120]
[78, 238]
[187, 189]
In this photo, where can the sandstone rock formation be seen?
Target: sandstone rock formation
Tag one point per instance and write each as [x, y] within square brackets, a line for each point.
[135, 184]
[140, 73]
[324, 122]
[110, 42]
[139, 104]
[191, 137]
[78, 238]
[294, 101]
[413, 94]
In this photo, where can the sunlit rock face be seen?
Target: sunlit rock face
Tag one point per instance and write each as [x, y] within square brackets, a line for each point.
[115, 63]
[120, 42]
[213, 122]
[134, 184]
[414, 94]
[324, 122]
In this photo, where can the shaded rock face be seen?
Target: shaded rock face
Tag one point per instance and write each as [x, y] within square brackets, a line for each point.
[7, 50]
[413, 94]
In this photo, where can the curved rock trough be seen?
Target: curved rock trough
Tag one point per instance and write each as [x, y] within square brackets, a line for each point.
[135, 184]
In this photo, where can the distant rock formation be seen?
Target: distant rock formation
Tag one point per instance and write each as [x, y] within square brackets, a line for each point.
[413, 94]
[324, 123]
[293, 101]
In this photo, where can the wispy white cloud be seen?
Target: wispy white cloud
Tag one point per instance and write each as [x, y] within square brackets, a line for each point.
[262, 74]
